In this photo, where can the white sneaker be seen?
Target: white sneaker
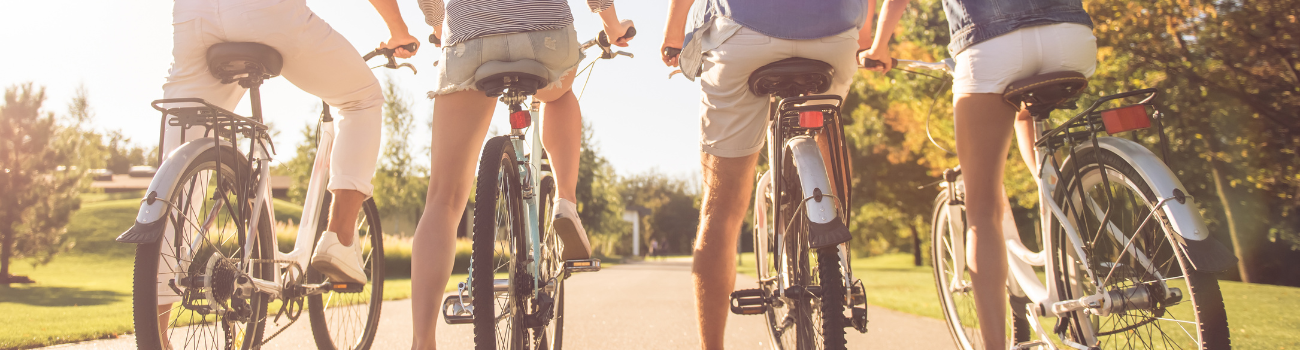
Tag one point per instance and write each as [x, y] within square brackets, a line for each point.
[339, 262]
[568, 227]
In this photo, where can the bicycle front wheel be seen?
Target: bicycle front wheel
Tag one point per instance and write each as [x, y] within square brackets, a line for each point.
[349, 319]
[184, 294]
[1157, 300]
[956, 297]
[499, 250]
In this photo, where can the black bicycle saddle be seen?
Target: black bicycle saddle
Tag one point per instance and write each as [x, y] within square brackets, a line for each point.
[791, 77]
[228, 60]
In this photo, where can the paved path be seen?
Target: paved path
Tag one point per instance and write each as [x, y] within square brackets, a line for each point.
[634, 306]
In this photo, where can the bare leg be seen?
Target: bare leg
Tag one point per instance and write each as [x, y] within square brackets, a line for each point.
[728, 183]
[345, 207]
[984, 127]
[562, 136]
[460, 120]
[1026, 137]
[164, 318]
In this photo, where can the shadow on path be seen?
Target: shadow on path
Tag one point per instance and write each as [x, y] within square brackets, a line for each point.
[59, 296]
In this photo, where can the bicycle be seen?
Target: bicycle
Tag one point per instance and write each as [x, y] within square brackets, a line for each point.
[525, 309]
[1127, 258]
[806, 285]
[208, 213]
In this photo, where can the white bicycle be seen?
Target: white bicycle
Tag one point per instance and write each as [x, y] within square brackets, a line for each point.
[1126, 261]
[205, 231]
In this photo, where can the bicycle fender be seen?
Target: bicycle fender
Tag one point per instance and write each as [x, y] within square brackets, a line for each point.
[826, 228]
[1205, 253]
[149, 223]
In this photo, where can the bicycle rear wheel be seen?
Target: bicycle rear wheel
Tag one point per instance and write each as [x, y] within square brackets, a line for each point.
[499, 251]
[548, 308]
[956, 298]
[194, 266]
[1142, 315]
[349, 319]
[817, 296]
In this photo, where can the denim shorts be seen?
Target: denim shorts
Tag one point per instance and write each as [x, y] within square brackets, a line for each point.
[557, 49]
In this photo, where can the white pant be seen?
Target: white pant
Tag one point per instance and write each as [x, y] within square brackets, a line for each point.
[316, 59]
[991, 65]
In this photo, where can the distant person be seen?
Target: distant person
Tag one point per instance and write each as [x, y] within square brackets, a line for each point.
[654, 248]
[479, 31]
[317, 60]
[730, 39]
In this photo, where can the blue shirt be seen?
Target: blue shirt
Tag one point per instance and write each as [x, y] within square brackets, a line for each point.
[974, 21]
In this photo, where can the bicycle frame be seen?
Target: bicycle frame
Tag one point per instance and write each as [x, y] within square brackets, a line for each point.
[528, 152]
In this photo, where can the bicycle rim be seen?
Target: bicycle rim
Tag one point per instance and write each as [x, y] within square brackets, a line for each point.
[349, 320]
[498, 251]
[201, 254]
[955, 299]
[1194, 321]
[780, 321]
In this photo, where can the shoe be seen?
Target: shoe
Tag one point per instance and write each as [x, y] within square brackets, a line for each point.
[339, 262]
[568, 227]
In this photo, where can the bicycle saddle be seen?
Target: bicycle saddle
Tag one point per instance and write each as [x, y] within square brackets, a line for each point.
[1045, 92]
[229, 60]
[791, 77]
[523, 76]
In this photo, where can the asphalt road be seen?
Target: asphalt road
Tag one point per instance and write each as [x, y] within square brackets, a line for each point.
[633, 306]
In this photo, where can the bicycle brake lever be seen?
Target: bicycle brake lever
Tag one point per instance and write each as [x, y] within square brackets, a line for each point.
[408, 65]
[625, 53]
[671, 74]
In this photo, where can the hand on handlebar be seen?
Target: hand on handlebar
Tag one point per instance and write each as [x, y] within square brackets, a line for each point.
[877, 60]
[624, 31]
[402, 45]
[409, 49]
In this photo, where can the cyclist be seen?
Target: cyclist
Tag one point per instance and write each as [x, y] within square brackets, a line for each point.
[316, 59]
[478, 31]
[996, 42]
[729, 40]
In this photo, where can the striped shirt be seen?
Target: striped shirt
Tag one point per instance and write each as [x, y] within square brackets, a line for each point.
[468, 19]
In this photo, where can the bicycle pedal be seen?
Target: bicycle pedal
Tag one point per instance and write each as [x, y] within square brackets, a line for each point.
[582, 265]
[859, 320]
[340, 287]
[456, 312]
[749, 302]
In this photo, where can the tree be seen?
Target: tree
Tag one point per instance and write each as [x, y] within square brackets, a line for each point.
[298, 168]
[599, 205]
[42, 174]
[400, 183]
[674, 207]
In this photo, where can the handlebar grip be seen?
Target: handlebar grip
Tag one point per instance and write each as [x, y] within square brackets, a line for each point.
[870, 63]
[433, 39]
[370, 55]
[672, 52]
[603, 39]
[410, 47]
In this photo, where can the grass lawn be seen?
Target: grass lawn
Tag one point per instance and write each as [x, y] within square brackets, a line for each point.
[1259, 316]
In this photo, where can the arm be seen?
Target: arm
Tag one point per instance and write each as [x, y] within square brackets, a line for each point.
[879, 50]
[864, 34]
[609, 19]
[675, 29]
[396, 27]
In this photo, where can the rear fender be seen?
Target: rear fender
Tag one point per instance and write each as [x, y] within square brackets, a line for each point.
[149, 222]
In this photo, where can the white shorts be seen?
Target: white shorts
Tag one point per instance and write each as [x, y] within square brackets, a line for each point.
[733, 121]
[991, 65]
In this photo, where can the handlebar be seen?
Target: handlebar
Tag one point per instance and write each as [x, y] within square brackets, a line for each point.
[392, 61]
[946, 65]
[602, 40]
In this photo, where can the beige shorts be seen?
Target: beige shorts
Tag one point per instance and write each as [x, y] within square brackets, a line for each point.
[991, 65]
[733, 121]
[557, 49]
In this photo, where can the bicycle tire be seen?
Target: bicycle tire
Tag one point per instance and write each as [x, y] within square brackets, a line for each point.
[497, 206]
[350, 320]
[958, 306]
[1121, 330]
[549, 336]
[189, 323]
[777, 313]
[819, 311]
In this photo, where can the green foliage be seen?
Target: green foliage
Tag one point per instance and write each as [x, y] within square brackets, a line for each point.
[599, 205]
[43, 163]
[298, 168]
[400, 182]
[673, 209]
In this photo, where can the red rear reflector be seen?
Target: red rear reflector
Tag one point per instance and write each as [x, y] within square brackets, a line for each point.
[1126, 118]
[520, 120]
[810, 119]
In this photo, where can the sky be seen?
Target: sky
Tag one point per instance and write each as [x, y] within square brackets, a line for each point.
[120, 52]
